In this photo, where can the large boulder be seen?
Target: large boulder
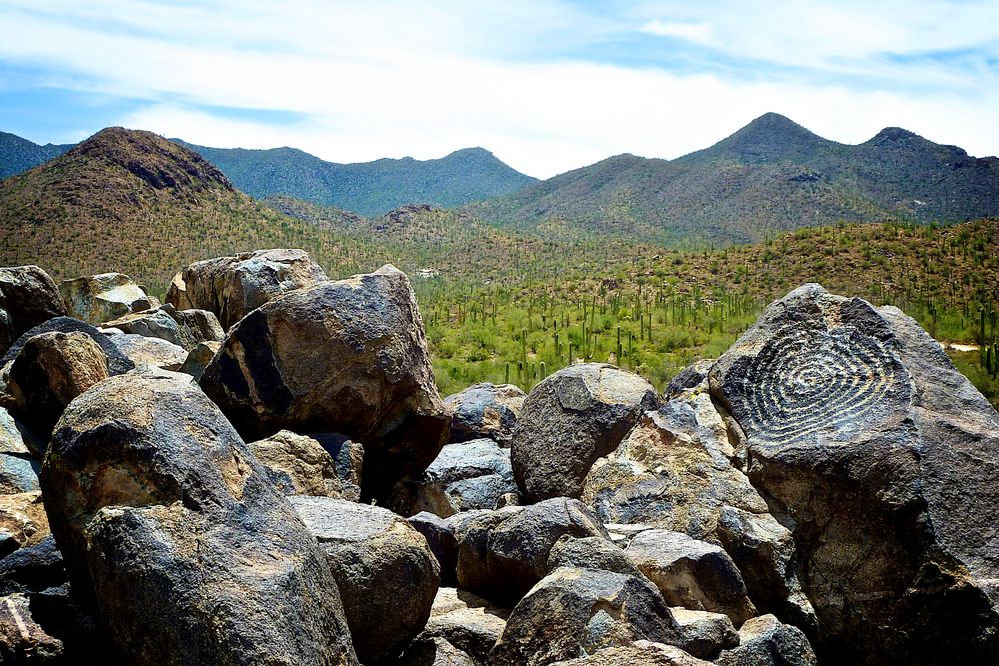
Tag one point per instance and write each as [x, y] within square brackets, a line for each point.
[469, 475]
[118, 363]
[231, 287]
[348, 356]
[144, 350]
[185, 328]
[50, 370]
[573, 612]
[884, 458]
[571, 419]
[28, 297]
[385, 570]
[99, 298]
[485, 410]
[442, 538]
[764, 641]
[503, 553]
[172, 530]
[298, 465]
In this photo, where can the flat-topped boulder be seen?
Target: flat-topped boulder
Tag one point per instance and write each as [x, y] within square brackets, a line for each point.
[231, 287]
[884, 458]
[99, 298]
[144, 350]
[570, 420]
[347, 356]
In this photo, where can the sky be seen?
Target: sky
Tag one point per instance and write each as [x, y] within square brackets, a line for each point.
[546, 85]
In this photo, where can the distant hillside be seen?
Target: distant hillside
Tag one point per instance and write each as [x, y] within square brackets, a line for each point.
[772, 175]
[134, 202]
[17, 155]
[368, 188]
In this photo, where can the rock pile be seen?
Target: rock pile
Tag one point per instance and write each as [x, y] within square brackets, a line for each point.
[824, 489]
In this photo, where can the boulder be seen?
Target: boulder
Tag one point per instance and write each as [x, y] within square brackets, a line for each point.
[348, 457]
[18, 438]
[23, 521]
[28, 297]
[485, 410]
[470, 475]
[467, 621]
[18, 474]
[573, 612]
[691, 573]
[443, 541]
[231, 287]
[590, 553]
[185, 328]
[347, 356]
[199, 358]
[883, 457]
[434, 652]
[118, 363]
[99, 298]
[142, 350]
[639, 653]
[705, 634]
[691, 377]
[571, 419]
[49, 628]
[764, 641]
[50, 370]
[172, 530]
[503, 553]
[35, 567]
[385, 571]
[298, 465]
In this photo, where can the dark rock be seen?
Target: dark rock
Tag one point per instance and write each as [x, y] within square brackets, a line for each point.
[485, 410]
[298, 465]
[50, 370]
[705, 634]
[690, 377]
[503, 553]
[764, 641]
[118, 363]
[571, 419]
[467, 621]
[171, 529]
[590, 553]
[434, 652]
[49, 628]
[28, 297]
[230, 287]
[32, 568]
[443, 542]
[639, 653]
[99, 298]
[349, 356]
[386, 573]
[348, 456]
[690, 573]
[883, 458]
[199, 358]
[574, 612]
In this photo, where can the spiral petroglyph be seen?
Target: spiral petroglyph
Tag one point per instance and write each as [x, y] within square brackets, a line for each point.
[805, 380]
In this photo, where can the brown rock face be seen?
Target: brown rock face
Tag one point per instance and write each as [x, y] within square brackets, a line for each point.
[233, 286]
[570, 420]
[22, 521]
[172, 530]
[99, 298]
[28, 297]
[884, 459]
[298, 465]
[50, 370]
[347, 356]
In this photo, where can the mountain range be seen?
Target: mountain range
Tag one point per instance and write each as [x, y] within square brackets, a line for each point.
[17, 155]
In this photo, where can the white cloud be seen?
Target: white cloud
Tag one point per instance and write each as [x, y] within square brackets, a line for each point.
[394, 78]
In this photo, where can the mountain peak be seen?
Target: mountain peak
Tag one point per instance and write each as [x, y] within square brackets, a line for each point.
[767, 139]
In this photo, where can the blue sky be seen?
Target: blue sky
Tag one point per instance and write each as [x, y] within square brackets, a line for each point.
[546, 85]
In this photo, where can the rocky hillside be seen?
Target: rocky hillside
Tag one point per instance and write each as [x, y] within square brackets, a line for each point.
[772, 175]
[260, 469]
[17, 155]
[368, 188]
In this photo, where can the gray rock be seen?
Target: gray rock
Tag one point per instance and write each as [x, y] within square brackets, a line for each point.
[32, 568]
[574, 612]
[199, 358]
[143, 350]
[434, 652]
[590, 553]
[230, 287]
[118, 363]
[882, 457]
[443, 541]
[99, 298]
[50, 370]
[298, 465]
[689, 378]
[503, 553]
[639, 653]
[171, 529]
[571, 419]
[691, 573]
[467, 621]
[764, 641]
[386, 573]
[348, 456]
[705, 634]
[28, 297]
[18, 473]
[185, 328]
[485, 410]
[349, 356]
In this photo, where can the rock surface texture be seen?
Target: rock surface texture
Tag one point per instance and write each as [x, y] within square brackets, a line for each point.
[348, 356]
[298, 465]
[231, 287]
[28, 297]
[172, 530]
[485, 410]
[99, 298]
[571, 419]
[185, 328]
[884, 458]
